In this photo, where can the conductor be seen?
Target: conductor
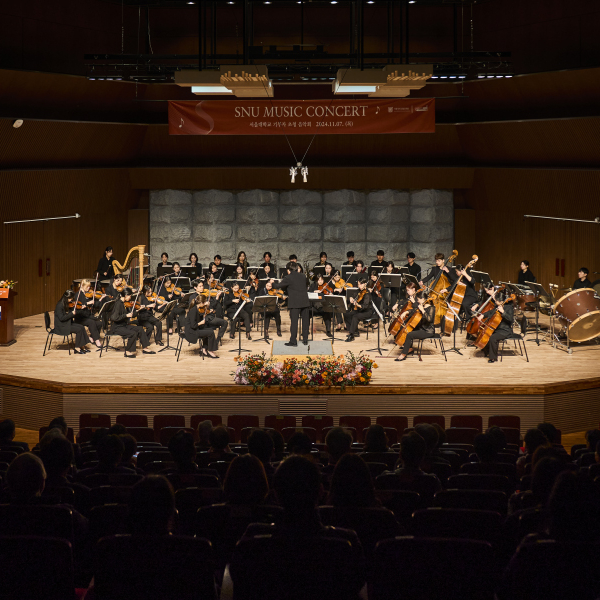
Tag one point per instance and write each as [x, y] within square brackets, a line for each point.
[298, 302]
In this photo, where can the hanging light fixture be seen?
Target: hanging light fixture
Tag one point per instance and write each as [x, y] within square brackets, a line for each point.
[243, 81]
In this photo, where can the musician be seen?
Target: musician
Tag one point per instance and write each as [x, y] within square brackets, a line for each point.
[217, 261]
[375, 287]
[439, 266]
[121, 326]
[242, 260]
[116, 287]
[525, 274]
[197, 330]
[350, 256]
[177, 270]
[503, 330]
[583, 281]
[295, 284]
[273, 314]
[328, 272]
[146, 316]
[193, 262]
[425, 328]
[215, 302]
[361, 310]
[267, 271]
[293, 258]
[470, 300]
[232, 304]
[359, 267]
[316, 287]
[105, 268]
[267, 258]
[84, 316]
[164, 260]
[169, 292]
[239, 272]
[413, 268]
[379, 262]
[411, 290]
[391, 294]
[215, 271]
[323, 260]
[64, 325]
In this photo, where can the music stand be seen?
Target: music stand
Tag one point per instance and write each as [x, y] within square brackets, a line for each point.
[163, 315]
[105, 309]
[334, 304]
[377, 268]
[391, 280]
[228, 271]
[456, 322]
[318, 270]
[540, 293]
[380, 319]
[240, 349]
[164, 270]
[481, 277]
[354, 277]
[191, 272]
[345, 270]
[264, 304]
[408, 278]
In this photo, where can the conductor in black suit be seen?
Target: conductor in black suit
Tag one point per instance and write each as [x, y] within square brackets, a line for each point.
[298, 302]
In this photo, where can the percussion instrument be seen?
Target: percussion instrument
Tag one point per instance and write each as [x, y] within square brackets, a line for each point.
[524, 299]
[579, 312]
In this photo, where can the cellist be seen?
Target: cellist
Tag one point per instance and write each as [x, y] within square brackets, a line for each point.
[426, 327]
[504, 329]
[439, 266]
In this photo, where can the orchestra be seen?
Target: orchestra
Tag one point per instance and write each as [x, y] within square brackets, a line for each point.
[202, 304]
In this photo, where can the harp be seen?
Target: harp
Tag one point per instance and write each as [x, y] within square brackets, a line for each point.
[134, 262]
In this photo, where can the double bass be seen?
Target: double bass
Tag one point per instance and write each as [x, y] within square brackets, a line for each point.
[441, 282]
[488, 327]
[456, 300]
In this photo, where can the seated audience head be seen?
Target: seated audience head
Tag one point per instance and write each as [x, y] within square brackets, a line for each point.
[49, 436]
[441, 434]
[338, 442]
[299, 443]
[498, 436]
[57, 456]
[129, 448]
[59, 423]
[182, 448]
[25, 478]
[204, 429]
[100, 433]
[260, 445]
[245, 482]
[7, 430]
[592, 437]
[117, 429]
[351, 483]
[151, 506]
[297, 483]
[412, 450]
[376, 439]
[544, 475]
[429, 434]
[485, 447]
[549, 431]
[219, 438]
[110, 451]
[573, 508]
[534, 438]
[278, 443]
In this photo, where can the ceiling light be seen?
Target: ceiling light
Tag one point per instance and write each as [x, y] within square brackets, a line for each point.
[386, 83]
[244, 81]
[17, 123]
[333, 1]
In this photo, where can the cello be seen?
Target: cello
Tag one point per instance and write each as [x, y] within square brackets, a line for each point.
[456, 300]
[474, 323]
[488, 327]
[441, 282]
[412, 320]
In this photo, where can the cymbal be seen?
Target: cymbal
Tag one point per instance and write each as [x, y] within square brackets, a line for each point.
[566, 290]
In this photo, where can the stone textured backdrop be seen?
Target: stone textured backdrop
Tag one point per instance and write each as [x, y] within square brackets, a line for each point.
[302, 222]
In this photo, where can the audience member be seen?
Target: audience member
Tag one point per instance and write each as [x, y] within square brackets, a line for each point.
[376, 439]
[57, 456]
[278, 445]
[152, 507]
[549, 431]
[245, 482]
[587, 457]
[338, 442]
[117, 429]
[128, 459]
[498, 436]
[486, 448]
[7, 437]
[183, 452]
[351, 483]
[26, 478]
[430, 435]
[110, 451]
[219, 448]
[204, 428]
[260, 444]
[300, 443]
[534, 438]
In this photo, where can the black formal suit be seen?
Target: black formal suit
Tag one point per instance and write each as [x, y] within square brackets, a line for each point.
[425, 329]
[502, 331]
[451, 275]
[526, 276]
[353, 317]
[122, 327]
[231, 309]
[148, 321]
[194, 332]
[64, 325]
[105, 269]
[214, 321]
[295, 285]
[580, 285]
[84, 316]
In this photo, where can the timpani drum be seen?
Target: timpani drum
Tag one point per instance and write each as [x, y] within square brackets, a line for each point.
[579, 312]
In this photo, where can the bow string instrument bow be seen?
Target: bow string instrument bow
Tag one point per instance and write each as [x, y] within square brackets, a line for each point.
[456, 295]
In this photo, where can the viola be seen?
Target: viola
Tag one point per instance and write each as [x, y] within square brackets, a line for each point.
[488, 327]
[456, 300]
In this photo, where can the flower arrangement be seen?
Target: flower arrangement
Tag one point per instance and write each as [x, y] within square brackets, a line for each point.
[7, 283]
[259, 371]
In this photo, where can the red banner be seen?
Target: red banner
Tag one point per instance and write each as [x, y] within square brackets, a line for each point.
[301, 117]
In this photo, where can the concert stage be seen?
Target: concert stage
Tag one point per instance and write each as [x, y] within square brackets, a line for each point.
[552, 386]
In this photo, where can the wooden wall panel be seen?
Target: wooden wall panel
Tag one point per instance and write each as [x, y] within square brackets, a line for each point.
[138, 227]
[30, 409]
[575, 411]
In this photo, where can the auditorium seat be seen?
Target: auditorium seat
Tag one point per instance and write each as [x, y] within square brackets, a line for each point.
[349, 430]
[513, 435]
[279, 422]
[475, 499]
[472, 421]
[189, 500]
[512, 421]
[85, 435]
[7, 456]
[388, 458]
[318, 422]
[193, 480]
[160, 421]
[53, 560]
[166, 433]
[117, 479]
[130, 420]
[486, 468]
[357, 422]
[108, 519]
[288, 432]
[479, 482]
[439, 419]
[70, 434]
[246, 432]
[390, 432]
[461, 435]
[238, 422]
[156, 466]
[94, 420]
[36, 519]
[110, 494]
[401, 502]
[399, 423]
[434, 568]
[148, 456]
[195, 420]
[221, 467]
[154, 568]
[142, 434]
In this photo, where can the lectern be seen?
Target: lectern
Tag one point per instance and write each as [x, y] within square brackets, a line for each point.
[7, 317]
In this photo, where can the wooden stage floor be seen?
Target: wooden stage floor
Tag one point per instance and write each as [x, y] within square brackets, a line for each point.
[553, 378]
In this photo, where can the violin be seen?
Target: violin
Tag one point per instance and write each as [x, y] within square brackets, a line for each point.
[79, 306]
[374, 287]
[342, 285]
[278, 293]
[326, 288]
[154, 298]
[242, 296]
[359, 299]
[171, 289]
[120, 288]
[90, 294]
[136, 306]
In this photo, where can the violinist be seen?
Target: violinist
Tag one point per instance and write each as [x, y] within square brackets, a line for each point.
[169, 292]
[83, 316]
[177, 270]
[116, 287]
[359, 267]
[252, 285]
[339, 285]
[233, 301]
[361, 309]
[439, 266]
[390, 294]
[274, 314]
[214, 319]
[240, 272]
[375, 288]
[164, 260]
[196, 266]
[328, 272]
[267, 271]
[149, 303]
[105, 268]
[504, 329]
[198, 330]
[64, 314]
[379, 262]
[120, 325]
[425, 328]
[318, 286]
